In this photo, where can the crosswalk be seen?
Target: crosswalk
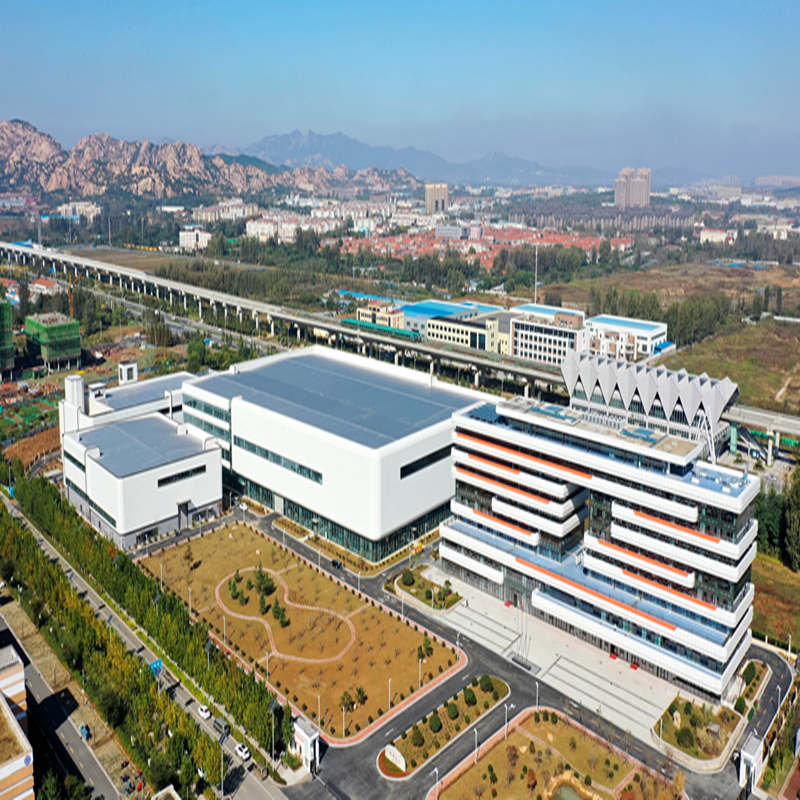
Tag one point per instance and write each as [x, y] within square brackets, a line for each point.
[482, 628]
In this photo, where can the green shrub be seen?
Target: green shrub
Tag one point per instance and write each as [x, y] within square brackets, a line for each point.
[673, 707]
[474, 681]
[435, 722]
[408, 577]
[741, 705]
[769, 776]
[749, 672]
[452, 710]
[428, 594]
[687, 708]
[469, 697]
[553, 717]
[417, 739]
[588, 780]
[486, 684]
[685, 738]
[535, 716]
[545, 716]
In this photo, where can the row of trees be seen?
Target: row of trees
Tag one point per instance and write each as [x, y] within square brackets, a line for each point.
[120, 687]
[778, 515]
[163, 616]
[688, 321]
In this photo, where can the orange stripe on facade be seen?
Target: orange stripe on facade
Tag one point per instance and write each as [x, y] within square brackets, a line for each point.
[493, 463]
[599, 596]
[503, 522]
[502, 485]
[587, 476]
[677, 527]
[669, 589]
[640, 557]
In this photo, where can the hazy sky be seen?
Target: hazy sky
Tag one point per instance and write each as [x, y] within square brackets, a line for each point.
[708, 86]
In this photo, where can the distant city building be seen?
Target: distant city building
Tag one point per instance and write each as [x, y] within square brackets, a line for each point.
[283, 225]
[193, 239]
[80, 208]
[46, 286]
[437, 200]
[632, 188]
[489, 332]
[778, 181]
[718, 236]
[417, 315]
[625, 338]
[225, 211]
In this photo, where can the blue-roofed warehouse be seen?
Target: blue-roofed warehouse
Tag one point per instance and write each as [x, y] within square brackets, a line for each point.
[354, 447]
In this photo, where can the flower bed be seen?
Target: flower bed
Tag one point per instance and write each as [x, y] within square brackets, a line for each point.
[693, 735]
[427, 591]
[424, 739]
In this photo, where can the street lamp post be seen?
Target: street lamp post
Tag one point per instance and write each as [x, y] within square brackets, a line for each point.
[476, 745]
[267, 665]
[225, 631]
[342, 722]
[221, 769]
[436, 770]
[505, 735]
[315, 526]
[537, 693]
[390, 692]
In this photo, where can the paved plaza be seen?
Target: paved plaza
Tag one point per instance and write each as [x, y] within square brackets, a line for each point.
[632, 699]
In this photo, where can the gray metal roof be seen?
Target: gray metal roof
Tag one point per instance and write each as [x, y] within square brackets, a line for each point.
[357, 403]
[134, 394]
[138, 444]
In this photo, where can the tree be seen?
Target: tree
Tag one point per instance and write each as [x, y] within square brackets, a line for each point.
[604, 251]
[196, 354]
[346, 701]
[287, 726]
[792, 538]
[361, 695]
[49, 790]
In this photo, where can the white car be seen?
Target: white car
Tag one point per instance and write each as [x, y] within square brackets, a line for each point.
[243, 751]
[203, 712]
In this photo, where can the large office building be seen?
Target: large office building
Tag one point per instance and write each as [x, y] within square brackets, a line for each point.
[615, 531]
[625, 338]
[417, 315]
[632, 188]
[356, 448]
[436, 198]
[546, 334]
[490, 332]
[139, 478]
[16, 753]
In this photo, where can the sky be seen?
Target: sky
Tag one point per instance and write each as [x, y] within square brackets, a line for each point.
[710, 87]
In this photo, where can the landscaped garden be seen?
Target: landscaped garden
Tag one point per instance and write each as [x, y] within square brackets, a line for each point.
[695, 729]
[328, 647]
[413, 582]
[545, 752]
[436, 729]
[754, 674]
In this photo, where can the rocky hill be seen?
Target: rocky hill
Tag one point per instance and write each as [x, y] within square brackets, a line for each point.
[35, 162]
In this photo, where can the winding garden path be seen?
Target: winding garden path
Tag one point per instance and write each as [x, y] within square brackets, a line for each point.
[273, 648]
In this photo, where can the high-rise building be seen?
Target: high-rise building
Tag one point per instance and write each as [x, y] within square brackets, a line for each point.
[609, 526]
[436, 198]
[632, 188]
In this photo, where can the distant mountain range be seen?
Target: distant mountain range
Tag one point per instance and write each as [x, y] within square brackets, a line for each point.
[33, 161]
[298, 149]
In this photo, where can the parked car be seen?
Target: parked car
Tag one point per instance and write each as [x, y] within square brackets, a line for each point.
[203, 712]
[243, 751]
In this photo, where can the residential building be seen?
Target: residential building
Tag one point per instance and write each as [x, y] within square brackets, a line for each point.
[546, 334]
[718, 235]
[283, 225]
[16, 753]
[136, 479]
[615, 531]
[193, 239]
[356, 448]
[80, 208]
[229, 210]
[632, 188]
[625, 338]
[436, 198]
[44, 286]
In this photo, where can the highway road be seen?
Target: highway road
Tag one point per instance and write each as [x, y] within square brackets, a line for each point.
[240, 783]
[47, 711]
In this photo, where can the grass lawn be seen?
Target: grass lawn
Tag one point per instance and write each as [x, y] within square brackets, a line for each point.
[776, 608]
[334, 642]
[696, 718]
[427, 591]
[762, 359]
[417, 753]
[538, 756]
